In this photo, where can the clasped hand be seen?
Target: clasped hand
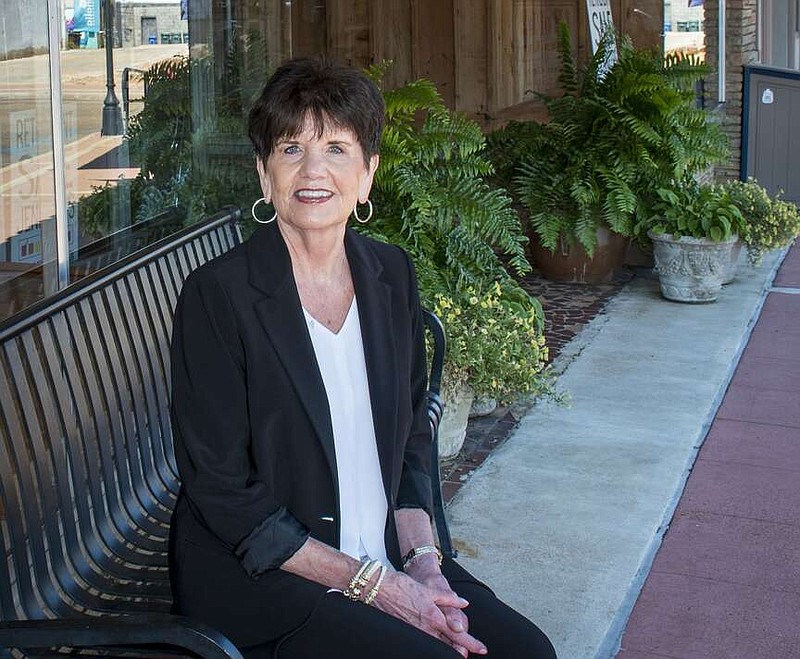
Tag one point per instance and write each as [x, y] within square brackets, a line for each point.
[424, 599]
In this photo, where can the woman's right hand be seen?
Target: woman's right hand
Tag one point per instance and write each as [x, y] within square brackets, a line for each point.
[421, 606]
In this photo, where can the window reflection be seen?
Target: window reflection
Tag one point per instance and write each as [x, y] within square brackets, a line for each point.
[102, 177]
[27, 206]
[683, 28]
[185, 73]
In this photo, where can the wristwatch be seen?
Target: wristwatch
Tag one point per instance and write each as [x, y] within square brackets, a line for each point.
[419, 551]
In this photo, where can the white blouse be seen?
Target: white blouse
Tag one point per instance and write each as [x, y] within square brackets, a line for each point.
[362, 501]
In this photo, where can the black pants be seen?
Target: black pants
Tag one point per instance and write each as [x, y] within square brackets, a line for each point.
[339, 628]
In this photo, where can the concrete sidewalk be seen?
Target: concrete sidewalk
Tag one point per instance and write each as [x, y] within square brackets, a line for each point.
[564, 519]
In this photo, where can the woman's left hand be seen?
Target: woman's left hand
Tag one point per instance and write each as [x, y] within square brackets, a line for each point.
[414, 530]
[425, 570]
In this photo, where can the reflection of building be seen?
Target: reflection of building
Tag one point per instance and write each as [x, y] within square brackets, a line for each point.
[16, 39]
[82, 22]
[151, 22]
[26, 246]
[683, 26]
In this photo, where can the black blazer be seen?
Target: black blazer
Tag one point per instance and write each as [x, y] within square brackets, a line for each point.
[252, 430]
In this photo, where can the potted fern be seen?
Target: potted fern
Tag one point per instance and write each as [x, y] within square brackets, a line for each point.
[611, 140]
[433, 198]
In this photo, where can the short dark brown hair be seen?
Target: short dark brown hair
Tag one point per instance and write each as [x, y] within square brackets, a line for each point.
[324, 90]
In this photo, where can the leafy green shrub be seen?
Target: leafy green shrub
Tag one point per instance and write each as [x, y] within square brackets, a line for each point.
[698, 211]
[766, 223]
[494, 341]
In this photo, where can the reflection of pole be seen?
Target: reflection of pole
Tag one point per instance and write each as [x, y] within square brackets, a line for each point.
[55, 232]
[112, 115]
[5, 40]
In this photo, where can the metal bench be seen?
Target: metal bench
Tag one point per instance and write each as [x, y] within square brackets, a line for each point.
[87, 474]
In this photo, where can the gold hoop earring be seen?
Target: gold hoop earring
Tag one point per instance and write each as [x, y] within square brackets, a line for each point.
[368, 217]
[253, 211]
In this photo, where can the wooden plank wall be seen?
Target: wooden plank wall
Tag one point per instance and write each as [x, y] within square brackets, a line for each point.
[348, 31]
[391, 37]
[272, 21]
[471, 42]
[487, 57]
[512, 50]
[309, 26]
[432, 45]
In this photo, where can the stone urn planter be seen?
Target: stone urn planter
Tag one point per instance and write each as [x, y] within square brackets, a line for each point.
[690, 269]
[733, 264]
[453, 426]
[482, 406]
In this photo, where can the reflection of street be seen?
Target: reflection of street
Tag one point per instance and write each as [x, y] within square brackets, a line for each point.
[26, 159]
[25, 83]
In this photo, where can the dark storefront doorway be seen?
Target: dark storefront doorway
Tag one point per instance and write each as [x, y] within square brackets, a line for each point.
[149, 30]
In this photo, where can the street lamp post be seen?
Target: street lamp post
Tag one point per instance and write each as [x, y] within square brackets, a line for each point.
[112, 115]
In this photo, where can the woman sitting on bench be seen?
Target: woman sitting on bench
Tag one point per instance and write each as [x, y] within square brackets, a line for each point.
[299, 413]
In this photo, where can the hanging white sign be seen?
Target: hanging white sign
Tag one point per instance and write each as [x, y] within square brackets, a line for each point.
[600, 21]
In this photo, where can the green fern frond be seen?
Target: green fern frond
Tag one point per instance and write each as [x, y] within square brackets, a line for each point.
[567, 77]
[434, 196]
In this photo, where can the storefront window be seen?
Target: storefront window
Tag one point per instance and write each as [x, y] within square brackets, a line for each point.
[102, 217]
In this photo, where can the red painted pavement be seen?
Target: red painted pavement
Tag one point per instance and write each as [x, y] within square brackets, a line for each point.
[789, 276]
[725, 583]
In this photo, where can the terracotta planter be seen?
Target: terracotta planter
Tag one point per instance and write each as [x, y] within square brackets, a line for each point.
[638, 256]
[690, 269]
[572, 264]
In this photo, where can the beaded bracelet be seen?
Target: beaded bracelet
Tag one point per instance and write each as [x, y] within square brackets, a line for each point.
[350, 591]
[361, 579]
[374, 592]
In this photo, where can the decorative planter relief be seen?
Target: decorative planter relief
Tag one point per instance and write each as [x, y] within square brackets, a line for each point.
[482, 406]
[690, 269]
[453, 427]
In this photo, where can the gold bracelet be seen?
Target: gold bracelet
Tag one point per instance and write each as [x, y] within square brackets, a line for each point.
[374, 592]
[352, 591]
[419, 551]
[361, 579]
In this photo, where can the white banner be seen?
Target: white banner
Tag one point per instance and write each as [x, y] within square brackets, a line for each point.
[600, 21]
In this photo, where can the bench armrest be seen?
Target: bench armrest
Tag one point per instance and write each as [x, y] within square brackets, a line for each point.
[435, 411]
[119, 631]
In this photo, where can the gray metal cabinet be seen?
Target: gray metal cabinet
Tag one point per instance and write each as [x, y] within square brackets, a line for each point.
[771, 129]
